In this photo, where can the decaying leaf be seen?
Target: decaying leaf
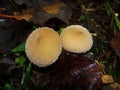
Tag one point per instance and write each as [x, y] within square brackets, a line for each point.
[115, 43]
[115, 86]
[6, 66]
[43, 16]
[25, 15]
[45, 10]
[74, 72]
[41, 11]
[12, 32]
[106, 87]
[107, 79]
[53, 9]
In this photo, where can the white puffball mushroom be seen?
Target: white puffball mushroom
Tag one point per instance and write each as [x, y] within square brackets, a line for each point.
[76, 39]
[43, 46]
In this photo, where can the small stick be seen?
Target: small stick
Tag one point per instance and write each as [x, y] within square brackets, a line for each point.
[3, 9]
[7, 16]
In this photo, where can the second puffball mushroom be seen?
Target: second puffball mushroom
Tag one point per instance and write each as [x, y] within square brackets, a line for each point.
[43, 46]
[76, 39]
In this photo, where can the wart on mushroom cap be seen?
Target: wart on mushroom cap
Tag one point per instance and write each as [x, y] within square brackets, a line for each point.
[76, 38]
[43, 46]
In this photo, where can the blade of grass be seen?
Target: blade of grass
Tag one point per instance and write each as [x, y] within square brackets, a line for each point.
[20, 60]
[59, 31]
[108, 8]
[26, 82]
[109, 11]
[19, 48]
[8, 86]
[117, 21]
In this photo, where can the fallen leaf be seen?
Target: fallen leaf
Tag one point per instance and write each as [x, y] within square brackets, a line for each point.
[5, 66]
[12, 32]
[53, 9]
[19, 48]
[107, 79]
[106, 87]
[76, 71]
[45, 10]
[115, 86]
[25, 15]
[41, 11]
[115, 43]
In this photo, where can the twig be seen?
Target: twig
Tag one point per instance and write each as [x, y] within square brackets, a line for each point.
[6, 16]
[3, 9]
[13, 4]
[112, 19]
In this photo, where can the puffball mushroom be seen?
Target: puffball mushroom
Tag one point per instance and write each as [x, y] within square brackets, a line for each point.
[76, 39]
[43, 46]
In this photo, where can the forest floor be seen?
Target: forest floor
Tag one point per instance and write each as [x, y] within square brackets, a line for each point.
[18, 18]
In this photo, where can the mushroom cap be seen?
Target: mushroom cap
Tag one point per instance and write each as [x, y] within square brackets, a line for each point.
[76, 39]
[43, 46]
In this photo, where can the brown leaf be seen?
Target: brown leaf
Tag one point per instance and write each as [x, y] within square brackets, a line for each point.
[5, 65]
[112, 86]
[64, 14]
[106, 87]
[107, 79]
[41, 11]
[53, 9]
[12, 33]
[75, 70]
[26, 14]
[115, 43]
[115, 86]
[47, 9]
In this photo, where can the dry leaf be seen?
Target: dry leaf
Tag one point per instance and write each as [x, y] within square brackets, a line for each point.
[5, 65]
[106, 87]
[26, 15]
[46, 10]
[115, 86]
[115, 43]
[12, 32]
[107, 79]
[75, 70]
[53, 9]
[41, 11]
